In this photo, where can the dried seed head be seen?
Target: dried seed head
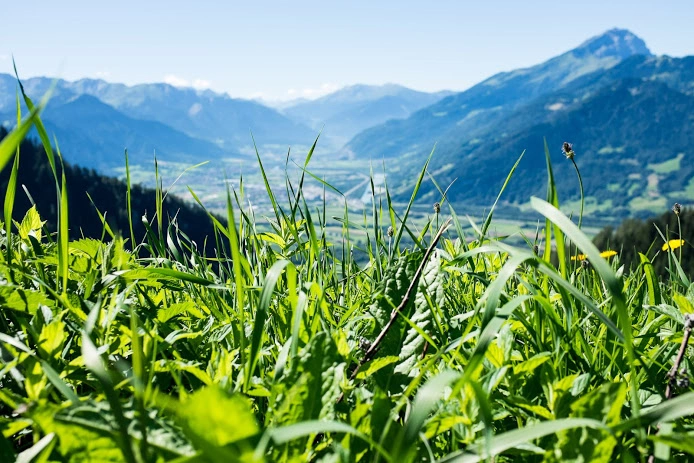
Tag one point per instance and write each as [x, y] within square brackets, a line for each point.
[568, 150]
[677, 208]
[437, 207]
[390, 232]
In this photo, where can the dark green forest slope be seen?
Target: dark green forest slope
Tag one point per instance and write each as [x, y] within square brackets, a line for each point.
[636, 236]
[109, 195]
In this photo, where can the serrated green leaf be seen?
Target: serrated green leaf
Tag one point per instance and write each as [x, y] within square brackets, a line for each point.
[532, 363]
[213, 418]
[683, 303]
[31, 224]
[429, 288]
[309, 388]
[23, 300]
[604, 404]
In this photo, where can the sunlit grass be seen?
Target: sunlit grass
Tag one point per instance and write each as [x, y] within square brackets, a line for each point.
[322, 334]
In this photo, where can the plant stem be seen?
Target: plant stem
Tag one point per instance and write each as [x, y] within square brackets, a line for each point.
[580, 185]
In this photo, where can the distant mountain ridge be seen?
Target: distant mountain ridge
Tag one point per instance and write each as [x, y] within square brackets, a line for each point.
[345, 112]
[487, 103]
[629, 113]
[181, 124]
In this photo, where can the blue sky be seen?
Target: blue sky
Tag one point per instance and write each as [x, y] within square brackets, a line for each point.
[289, 49]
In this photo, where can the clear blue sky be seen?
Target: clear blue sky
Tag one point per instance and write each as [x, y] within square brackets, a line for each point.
[283, 49]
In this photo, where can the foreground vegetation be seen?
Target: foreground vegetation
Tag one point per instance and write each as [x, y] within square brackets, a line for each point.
[282, 347]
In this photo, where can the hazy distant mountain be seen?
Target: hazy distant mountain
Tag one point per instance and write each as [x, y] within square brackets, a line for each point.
[202, 114]
[488, 102]
[93, 134]
[344, 113]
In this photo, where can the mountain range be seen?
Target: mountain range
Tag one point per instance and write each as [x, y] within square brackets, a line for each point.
[350, 110]
[94, 120]
[629, 114]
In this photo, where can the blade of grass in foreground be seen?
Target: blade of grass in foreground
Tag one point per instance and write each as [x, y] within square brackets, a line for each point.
[128, 201]
[398, 235]
[553, 199]
[10, 194]
[63, 238]
[488, 221]
[613, 284]
[9, 144]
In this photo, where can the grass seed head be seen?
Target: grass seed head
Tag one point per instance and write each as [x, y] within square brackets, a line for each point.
[568, 150]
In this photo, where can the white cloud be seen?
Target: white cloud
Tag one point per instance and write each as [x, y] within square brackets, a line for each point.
[324, 89]
[312, 92]
[176, 81]
[102, 74]
[4, 57]
[197, 84]
[201, 84]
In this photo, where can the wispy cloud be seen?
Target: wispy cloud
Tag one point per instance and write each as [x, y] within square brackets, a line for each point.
[4, 57]
[312, 92]
[201, 84]
[177, 81]
[102, 74]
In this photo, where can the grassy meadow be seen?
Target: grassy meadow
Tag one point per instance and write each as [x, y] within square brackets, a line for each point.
[316, 335]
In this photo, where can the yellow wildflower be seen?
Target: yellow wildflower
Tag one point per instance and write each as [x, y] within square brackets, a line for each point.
[672, 244]
[579, 257]
[607, 254]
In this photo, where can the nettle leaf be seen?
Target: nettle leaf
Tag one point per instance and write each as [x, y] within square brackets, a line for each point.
[31, 224]
[211, 418]
[429, 288]
[604, 404]
[187, 307]
[23, 300]
[76, 441]
[392, 290]
[52, 338]
[309, 389]
[684, 304]
[532, 363]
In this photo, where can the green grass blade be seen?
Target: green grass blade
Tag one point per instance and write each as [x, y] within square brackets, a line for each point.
[488, 221]
[261, 315]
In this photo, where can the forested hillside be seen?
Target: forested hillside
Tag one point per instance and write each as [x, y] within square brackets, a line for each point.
[108, 194]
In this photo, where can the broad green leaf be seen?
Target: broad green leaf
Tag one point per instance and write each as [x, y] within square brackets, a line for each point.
[683, 303]
[372, 366]
[213, 418]
[77, 443]
[31, 224]
[603, 404]
[430, 288]
[391, 292]
[23, 300]
[310, 387]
